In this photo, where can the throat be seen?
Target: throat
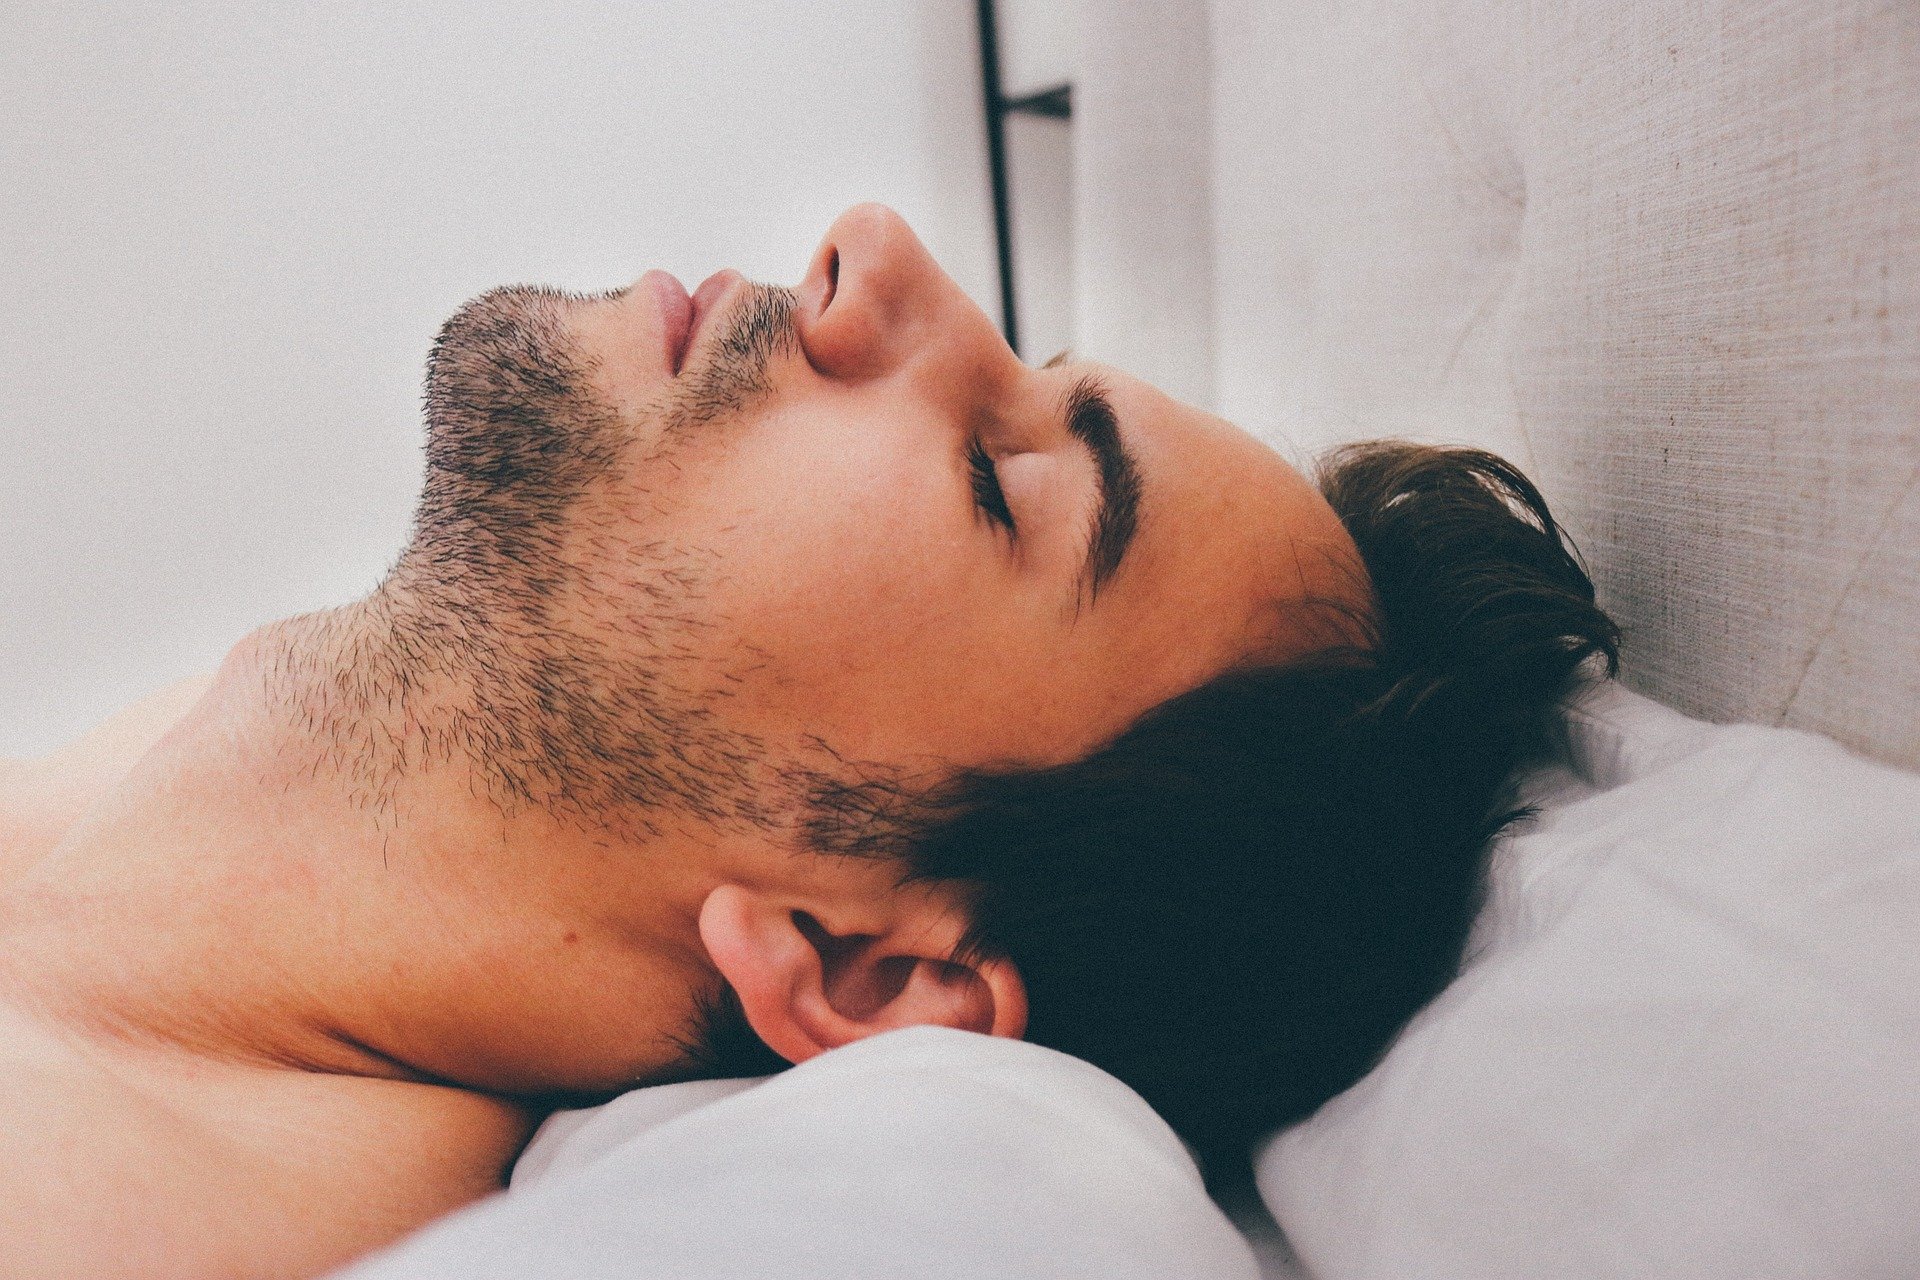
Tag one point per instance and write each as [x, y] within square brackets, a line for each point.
[283, 883]
[227, 898]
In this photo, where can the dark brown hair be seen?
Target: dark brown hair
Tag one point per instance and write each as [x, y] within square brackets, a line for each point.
[1237, 904]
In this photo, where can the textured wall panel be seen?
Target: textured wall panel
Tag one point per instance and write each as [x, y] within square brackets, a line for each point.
[1664, 254]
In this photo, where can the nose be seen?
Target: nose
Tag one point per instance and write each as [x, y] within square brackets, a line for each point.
[874, 302]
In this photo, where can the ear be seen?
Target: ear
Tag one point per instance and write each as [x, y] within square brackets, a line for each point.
[807, 986]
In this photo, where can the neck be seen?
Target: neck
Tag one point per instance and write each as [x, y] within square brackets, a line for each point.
[285, 880]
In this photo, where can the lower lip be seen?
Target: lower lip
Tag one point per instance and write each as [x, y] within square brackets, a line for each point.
[676, 315]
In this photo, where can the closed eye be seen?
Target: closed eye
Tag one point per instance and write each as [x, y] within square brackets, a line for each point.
[987, 494]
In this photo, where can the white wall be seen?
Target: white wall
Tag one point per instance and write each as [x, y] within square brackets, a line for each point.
[1142, 237]
[1037, 51]
[228, 232]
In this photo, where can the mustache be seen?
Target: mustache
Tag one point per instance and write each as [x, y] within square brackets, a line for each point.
[733, 373]
[760, 325]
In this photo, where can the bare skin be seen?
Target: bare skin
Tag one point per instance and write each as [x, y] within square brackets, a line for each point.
[289, 960]
[194, 1166]
[41, 799]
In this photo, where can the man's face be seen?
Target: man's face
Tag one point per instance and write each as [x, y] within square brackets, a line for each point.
[845, 517]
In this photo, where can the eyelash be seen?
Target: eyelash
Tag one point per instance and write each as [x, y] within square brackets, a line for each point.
[987, 494]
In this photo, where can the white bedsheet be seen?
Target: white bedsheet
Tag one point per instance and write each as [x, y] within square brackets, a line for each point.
[1686, 1042]
[923, 1153]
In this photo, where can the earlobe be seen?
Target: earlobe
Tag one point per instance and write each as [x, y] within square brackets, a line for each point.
[807, 987]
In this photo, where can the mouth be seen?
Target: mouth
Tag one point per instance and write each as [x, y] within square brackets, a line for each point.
[683, 317]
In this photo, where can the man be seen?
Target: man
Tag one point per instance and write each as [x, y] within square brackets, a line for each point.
[768, 669]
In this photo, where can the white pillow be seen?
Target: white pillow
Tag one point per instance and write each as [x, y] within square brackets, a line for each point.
[1686, 1041]
[925, 1153]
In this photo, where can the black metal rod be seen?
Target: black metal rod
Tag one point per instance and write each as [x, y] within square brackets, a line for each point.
[1055, 103]
[996, 107]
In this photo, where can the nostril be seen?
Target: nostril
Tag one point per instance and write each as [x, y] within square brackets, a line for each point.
[833, 277]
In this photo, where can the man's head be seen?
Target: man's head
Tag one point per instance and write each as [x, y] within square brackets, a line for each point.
[875, 677]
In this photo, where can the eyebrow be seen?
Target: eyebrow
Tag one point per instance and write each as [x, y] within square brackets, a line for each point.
[1091, 421]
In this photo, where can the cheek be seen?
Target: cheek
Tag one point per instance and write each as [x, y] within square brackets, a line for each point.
[851, 586]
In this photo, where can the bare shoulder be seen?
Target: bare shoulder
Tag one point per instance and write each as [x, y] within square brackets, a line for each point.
[242, 1173]
[40, 798]
[116, 742]
[78, 1184]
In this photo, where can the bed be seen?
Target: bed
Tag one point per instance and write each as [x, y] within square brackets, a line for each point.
[1665, 254]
